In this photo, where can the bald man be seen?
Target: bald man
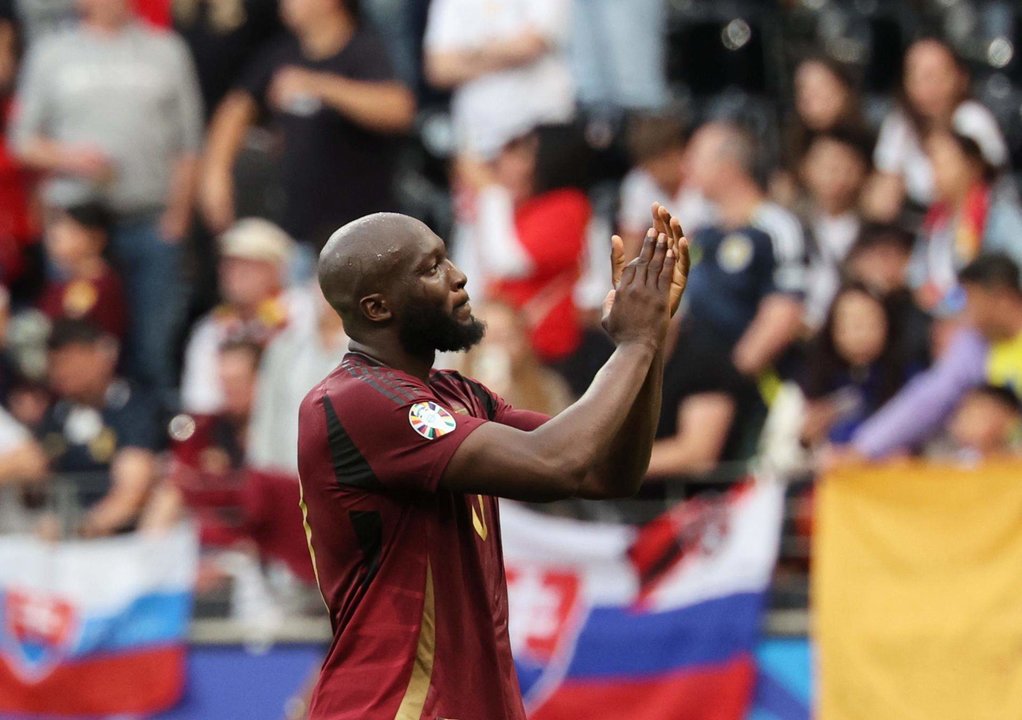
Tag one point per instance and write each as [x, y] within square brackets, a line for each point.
[401, 466]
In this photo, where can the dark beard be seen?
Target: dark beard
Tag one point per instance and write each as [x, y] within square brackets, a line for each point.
[426, 329]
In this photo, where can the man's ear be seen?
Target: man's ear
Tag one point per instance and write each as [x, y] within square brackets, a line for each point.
[375, 308]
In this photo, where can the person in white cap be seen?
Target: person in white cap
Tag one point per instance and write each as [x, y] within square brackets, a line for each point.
[973, 212]
[254, 257]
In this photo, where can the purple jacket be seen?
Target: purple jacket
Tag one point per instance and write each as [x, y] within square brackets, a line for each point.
[920, 409]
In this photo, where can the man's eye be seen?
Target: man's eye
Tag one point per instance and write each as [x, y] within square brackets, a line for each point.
[435, 268]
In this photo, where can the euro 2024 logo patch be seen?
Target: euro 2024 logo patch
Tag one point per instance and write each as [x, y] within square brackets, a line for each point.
[430, 420]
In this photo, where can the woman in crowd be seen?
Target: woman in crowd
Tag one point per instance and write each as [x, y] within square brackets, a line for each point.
[826, 99]
[935, 93]
[527, 238]
[853, 366]
[971, 213]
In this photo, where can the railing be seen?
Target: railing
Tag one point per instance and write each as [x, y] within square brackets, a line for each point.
[59, 497]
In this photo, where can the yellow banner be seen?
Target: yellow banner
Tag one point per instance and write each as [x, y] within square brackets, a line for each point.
[917, 592]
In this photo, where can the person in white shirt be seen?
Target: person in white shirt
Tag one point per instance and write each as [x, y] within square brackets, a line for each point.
[256, 306]
[656, 144]
[833, 172]
[935, 90]
[507, 63]
[294, 361]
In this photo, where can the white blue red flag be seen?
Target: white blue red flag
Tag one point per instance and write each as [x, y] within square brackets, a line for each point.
[95, 628]
[657, 623]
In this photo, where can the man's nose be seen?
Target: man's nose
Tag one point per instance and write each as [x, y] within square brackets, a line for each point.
[458, 278]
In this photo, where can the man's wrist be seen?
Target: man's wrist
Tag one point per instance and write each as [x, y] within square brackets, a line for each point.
[640, 346]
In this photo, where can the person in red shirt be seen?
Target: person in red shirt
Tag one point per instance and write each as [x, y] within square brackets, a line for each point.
[86, 286]
[529, 242]
[400, 467]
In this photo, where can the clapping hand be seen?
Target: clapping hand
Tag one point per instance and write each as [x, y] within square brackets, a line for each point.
[663, 223]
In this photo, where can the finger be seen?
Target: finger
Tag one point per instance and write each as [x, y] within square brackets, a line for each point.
[666, 277]
[655, 212]
[617, 259]
[676, 230]
[656, 265]
[628, 276]
[679, 279]
[646, 255]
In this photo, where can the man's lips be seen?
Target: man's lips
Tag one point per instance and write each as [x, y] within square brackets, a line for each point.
[464, 307]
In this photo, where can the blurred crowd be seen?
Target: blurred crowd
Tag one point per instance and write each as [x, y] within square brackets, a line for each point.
[169, 171]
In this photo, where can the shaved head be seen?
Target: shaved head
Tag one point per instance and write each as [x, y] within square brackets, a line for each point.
[388, 274]
[364, 257]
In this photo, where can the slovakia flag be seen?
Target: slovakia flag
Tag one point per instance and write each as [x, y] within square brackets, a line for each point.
[95, 628]
[656, 623]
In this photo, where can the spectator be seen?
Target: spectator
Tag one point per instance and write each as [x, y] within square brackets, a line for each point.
[253, 268]
[85, 286]
[110, 111]
[294, 361]
[101, 430]
[610, 67]
[988, 350]
[879, 259]
[331, 91]
[22, 467]
[970, 214]
[833, 171]
[18, 223]
[852, 366]
[505, 362]
[656, 144]
[527, 243]
[745, 291]
[244, 517]
[207, 471]
[986, 424]
[935, 90]
[702, 399]
[826, 100]
[22, 459]
[224, 37]
[507, 64]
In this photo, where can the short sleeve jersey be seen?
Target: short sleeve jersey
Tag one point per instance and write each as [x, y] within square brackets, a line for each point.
[735, 269]
[412, 574]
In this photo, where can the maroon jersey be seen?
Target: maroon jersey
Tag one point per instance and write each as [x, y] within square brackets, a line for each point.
[412, 574]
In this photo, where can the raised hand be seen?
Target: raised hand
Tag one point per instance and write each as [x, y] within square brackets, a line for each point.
[664, 223]
[637, 311]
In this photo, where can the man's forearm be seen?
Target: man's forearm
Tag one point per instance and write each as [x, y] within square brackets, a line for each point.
[227, 131]
[42, 154]
[183, 183]
[379, 106]
[450, 68]
[620, 469]
[775, 326]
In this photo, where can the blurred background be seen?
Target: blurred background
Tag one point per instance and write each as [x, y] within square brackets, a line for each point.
[846, 171]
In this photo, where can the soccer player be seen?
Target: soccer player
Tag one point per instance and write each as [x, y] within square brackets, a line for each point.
[401, 466]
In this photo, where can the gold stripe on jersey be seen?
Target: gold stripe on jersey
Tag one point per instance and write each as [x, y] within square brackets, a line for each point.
[422, 670]
[308, 538]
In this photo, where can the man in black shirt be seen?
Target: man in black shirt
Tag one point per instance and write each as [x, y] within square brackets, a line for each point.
[100, 429]
[332, 92]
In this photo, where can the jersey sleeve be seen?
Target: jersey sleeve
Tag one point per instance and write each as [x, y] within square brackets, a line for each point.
[500, 411]
[398, 437]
